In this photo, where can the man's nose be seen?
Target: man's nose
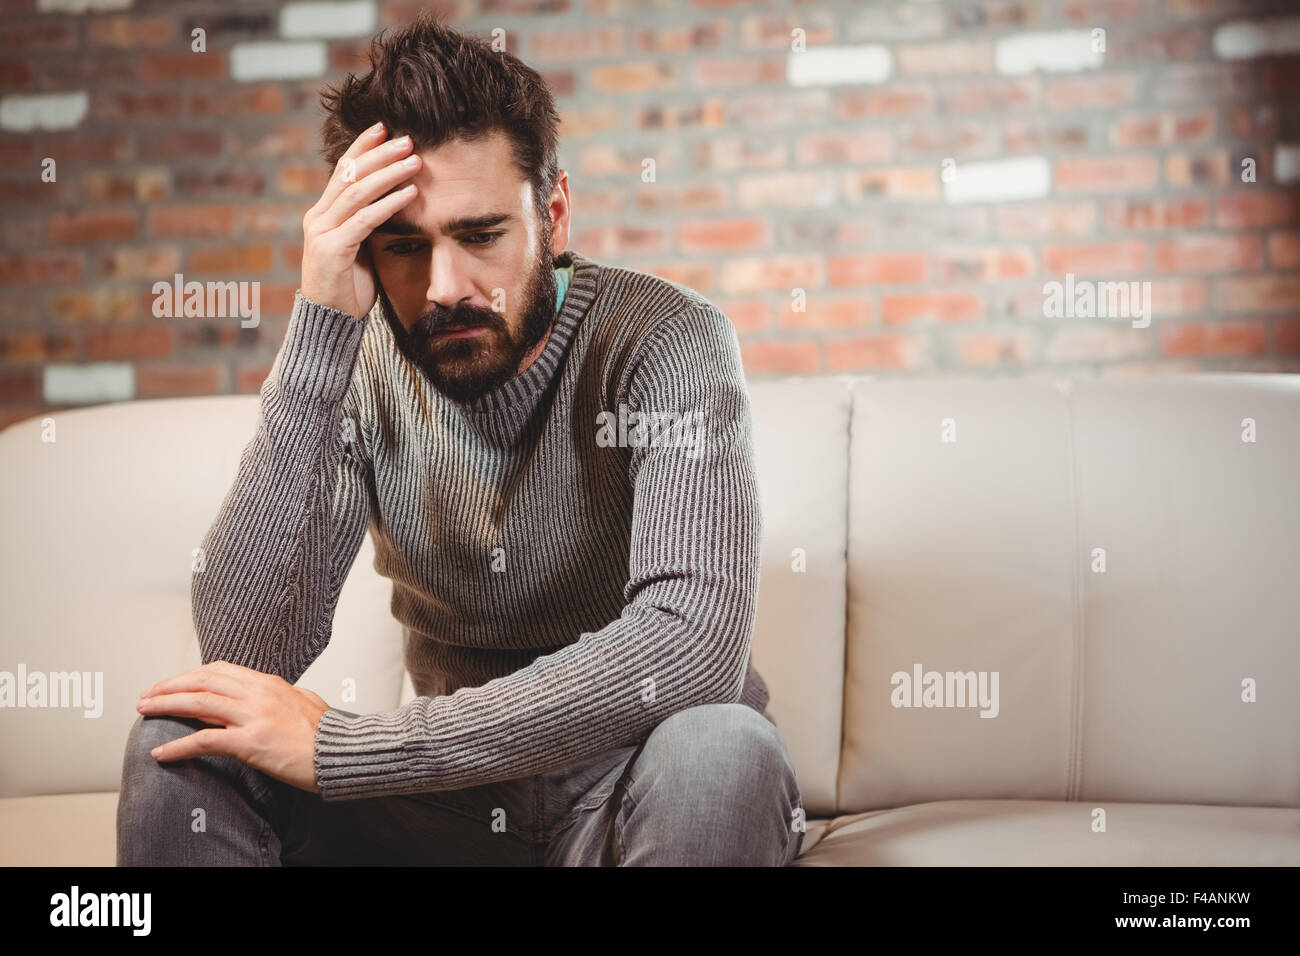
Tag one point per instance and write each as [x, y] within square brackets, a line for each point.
[449, 281]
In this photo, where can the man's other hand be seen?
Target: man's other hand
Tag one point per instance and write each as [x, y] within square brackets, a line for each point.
[262, 720]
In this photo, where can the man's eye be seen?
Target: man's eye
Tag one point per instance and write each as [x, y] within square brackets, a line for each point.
[477, 238]
[407, 248]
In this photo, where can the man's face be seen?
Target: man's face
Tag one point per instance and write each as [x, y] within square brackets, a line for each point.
[466, 269]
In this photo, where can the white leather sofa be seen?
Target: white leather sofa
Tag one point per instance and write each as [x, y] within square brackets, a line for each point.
[1146, 714]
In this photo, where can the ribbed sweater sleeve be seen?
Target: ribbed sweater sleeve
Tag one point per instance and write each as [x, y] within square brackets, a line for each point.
[292, 523]
[682, 638]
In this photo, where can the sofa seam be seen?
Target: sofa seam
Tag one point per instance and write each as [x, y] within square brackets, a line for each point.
[1074, 783]
[850, 420]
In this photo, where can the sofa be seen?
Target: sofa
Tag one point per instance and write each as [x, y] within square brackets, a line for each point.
[1018, 622]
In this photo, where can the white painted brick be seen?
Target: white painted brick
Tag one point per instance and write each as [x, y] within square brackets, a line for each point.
[1060, 51]
[1250, 39]
[298, 20]
[277, 61]
[831, 65]
[95, 382]
[1000, 180]
[80, 6]
[22, 112]
[1286, 163]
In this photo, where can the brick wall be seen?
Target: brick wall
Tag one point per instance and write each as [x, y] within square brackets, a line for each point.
[877, 188]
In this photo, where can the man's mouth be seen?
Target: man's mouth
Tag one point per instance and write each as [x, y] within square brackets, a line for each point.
[459, 331]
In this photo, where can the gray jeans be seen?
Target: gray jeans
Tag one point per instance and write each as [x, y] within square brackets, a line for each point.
[711, 785]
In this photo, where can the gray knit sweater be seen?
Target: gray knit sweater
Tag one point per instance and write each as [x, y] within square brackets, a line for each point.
[565, 578]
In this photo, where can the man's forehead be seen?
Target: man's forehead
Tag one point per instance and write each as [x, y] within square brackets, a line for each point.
[403, 225]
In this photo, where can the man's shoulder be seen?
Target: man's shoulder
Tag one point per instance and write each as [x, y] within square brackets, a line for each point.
[634, 306]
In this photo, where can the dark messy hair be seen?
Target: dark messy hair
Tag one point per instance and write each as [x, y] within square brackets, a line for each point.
[435, 85]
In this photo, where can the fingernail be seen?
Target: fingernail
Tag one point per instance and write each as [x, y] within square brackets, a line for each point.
[401, 141]
[376, 128]
[155, 752]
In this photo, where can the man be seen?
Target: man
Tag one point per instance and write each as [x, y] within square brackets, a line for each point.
[554, 458]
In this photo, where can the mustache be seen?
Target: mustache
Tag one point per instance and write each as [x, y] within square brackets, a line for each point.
[437, 319]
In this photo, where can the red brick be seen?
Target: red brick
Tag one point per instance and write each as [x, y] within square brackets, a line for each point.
[35, 346]
[14, 414]
[15, 152]
[1171, 297]
[75, 148]
[823, 313]
[180, 67]
[1284, 250]
[1098, 258]
[1129, 215]
[1240, 337]
[691, 198]
[249, 381]
[680, 39]
[765, 31]
[130, 32]
[947, 58]
[1021, 93]
[728, 154]
[693, 275]
[1039, 134]
[902, 182]
[707, 114]
[131, 106]
[1288, 336]
[781, 272]
[949, 138]
[182, 222]
[882, 269]
[174, 143]
[866, 146]
[298, 179]
[1209, 253]
[930, 306]
[156, 263]
[779, 358]
[165, 380]
[569, 45]
[622, 240]
[110, 185]
[1266, 293]
[1103, 92]
[987, 264]
[202, 184]
[854, 104]
[706, 72]
[241, 100]
[128, 342]
[227, 259]
[1035, 220]
[632, 78]
[1209, 168]
[1081, 343]
[1162, 129]
[39, 37]
[101, 305]
[1251, 208]
[1105, 174]
[15, 74]
[747, 316]
[20, 384]
[873, 352]
[95, 226]
[44, 268]
[996, 348]
[723, 235]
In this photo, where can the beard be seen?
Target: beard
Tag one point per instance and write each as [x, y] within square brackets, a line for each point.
[465, 369]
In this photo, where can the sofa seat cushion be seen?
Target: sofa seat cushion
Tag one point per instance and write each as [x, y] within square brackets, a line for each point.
[1055, 833]
[64, 829]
